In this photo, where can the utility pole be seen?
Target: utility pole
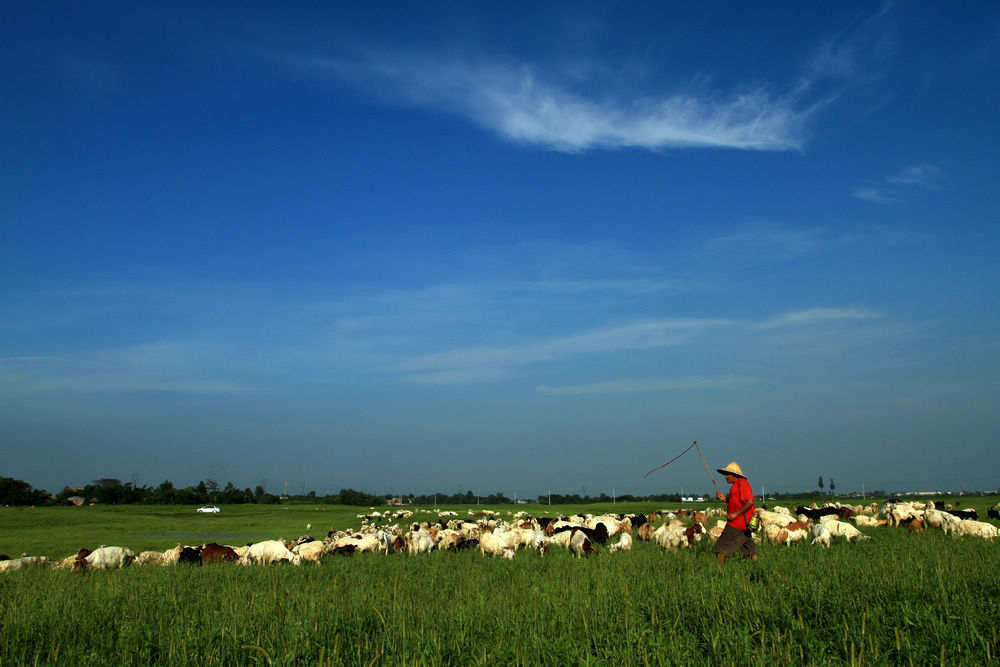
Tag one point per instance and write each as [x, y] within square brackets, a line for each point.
[613, 501]
[550, 496]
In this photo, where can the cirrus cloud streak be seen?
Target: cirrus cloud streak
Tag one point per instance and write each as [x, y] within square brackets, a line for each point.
[527, 106]
[649, 384]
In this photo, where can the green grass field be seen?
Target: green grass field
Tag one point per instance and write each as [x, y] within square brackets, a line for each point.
[895, 599]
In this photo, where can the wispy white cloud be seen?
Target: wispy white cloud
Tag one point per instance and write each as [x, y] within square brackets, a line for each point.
[649, 384]
[766, 243]
[528, 106]
[645, 335]
[816, 316]
[902, 186]
[577, 106]
[637, 287]
[160, 367]
[874, 193]
[853, 56]
[924, 176]
[417, 336]
[755, 244]
[493, 363]
[226, 339]
[472, 374]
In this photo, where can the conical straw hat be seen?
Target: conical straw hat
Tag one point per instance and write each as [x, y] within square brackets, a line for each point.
[732, 469]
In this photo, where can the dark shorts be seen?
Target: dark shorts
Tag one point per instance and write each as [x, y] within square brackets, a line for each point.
[733, 540]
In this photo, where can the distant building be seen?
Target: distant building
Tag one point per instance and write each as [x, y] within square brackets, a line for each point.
[75, 500]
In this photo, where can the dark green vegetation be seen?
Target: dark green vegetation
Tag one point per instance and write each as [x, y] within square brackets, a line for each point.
[18, 492]
[114, 492]
[895, 599]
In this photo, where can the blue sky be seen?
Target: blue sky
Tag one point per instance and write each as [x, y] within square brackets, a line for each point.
[517, 248]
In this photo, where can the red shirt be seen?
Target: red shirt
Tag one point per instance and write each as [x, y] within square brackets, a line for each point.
[739, 494]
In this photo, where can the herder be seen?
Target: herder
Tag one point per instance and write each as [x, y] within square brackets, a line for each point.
[736, 536]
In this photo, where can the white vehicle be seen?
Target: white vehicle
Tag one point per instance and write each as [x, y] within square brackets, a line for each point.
[208, 509]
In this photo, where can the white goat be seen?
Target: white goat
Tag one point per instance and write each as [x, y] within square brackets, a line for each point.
[624, 543]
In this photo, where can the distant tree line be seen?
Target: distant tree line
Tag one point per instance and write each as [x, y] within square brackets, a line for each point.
[15, 492]
[114, 492]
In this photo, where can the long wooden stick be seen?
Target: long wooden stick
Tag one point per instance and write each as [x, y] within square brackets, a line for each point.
[706, 465]
[693, 444]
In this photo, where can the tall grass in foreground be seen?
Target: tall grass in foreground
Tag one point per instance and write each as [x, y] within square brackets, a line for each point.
[896, 599]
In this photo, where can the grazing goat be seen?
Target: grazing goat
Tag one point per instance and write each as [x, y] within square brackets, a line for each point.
[109, 558]
[418, 543]
[965, 514]
[311, 551]
[898, 513]
[218, 553]
[580, 544]
[491, 544]
[816, 514]
[795, 531]
[977, 529]
[22, 562]
[624, 543]
[149, 558]
[269, 552]
[670, 536]
[694, 532]
[774, 518]
[843, 529]
[867, 521]
[821, 535]
[941, 519]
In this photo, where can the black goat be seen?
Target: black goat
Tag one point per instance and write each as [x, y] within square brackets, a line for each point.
[598, 535]
[816, 514]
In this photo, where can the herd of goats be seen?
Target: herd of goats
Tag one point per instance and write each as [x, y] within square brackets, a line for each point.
[583, 536]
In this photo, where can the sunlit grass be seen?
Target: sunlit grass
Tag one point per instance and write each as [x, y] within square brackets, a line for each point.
[895, 599]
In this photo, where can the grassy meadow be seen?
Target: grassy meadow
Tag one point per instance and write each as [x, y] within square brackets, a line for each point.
[895, 599]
